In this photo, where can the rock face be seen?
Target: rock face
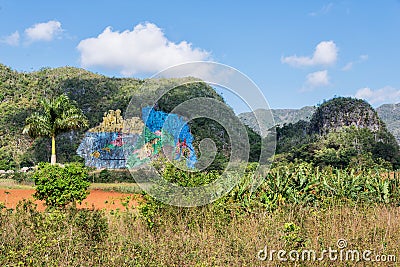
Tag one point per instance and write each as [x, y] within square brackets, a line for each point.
[280, 117]
[259, 121]
[390, 114]
[344, 111]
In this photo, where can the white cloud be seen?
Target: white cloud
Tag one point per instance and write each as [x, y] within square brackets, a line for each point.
[324, 10]
[325, 54]
[316, 79]
[44, 31]
[12, 39]
[383, 95]
[145, 49]
[363, 57]
[350, 65]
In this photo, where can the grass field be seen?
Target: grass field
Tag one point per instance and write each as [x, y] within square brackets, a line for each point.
[117, 187]
[197, 236]
[298, 210]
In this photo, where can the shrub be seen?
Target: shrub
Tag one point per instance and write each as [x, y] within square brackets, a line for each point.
[58, 186]
[70, 237]
[20, 177]
[6, 160]
[111, 176]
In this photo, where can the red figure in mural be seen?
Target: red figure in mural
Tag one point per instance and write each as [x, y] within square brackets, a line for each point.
[118, 142]
[181, 148]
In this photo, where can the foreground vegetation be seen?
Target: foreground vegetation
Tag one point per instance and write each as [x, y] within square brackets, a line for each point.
[331, 179]
[298, 207]
[205, 236]
[22, 94]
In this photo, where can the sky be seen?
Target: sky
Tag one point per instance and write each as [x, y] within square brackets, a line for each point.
[298, 53]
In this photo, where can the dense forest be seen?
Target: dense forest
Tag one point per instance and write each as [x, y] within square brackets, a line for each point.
[94, 94]
[389, 113]
[343, 132]
[21, 92]
[340, 132]
[329, 179]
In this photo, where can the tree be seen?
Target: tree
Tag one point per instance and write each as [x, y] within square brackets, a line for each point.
[58, 115]
[58, 186]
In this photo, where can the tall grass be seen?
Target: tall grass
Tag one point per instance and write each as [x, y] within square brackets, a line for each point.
[192, 237]
[297, 207]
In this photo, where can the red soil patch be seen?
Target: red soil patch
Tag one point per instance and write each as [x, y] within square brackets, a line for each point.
[97, 199]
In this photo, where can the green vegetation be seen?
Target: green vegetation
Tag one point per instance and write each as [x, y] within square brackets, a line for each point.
[332, 178]
[59, 115]
[12, 183]
[111, 176]
[116, 187]
[93, 94]
[59, 186]
[56, 238]
[342, 132]
[390, 114]
[289, 184]
[298, 207]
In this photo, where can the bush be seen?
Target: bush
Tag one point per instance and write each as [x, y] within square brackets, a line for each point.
[6, 160]
[58, 186]
[111, 176]
[70, 237]
[20, 177]
[156, 213]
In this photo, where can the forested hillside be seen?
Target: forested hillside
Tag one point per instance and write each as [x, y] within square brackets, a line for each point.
[342, 132]
[388, 113]
[94, 94]
[20, 93]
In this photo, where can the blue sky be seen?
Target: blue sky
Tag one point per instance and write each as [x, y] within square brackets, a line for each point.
[297, 52]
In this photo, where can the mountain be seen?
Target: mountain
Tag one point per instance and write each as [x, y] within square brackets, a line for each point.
[281, 116]
[339, 112]
[388, 113]
[342, 132]
[95, 94]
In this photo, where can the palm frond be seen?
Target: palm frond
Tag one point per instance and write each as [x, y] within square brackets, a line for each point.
[59, 115]
[61, 103]
[46, 105]
[37, 125]
[70, 121]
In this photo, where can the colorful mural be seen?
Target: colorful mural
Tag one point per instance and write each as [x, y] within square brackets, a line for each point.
[117, 143]
[175, 126]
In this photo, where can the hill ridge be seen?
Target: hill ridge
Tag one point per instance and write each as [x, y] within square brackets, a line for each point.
[388, 113]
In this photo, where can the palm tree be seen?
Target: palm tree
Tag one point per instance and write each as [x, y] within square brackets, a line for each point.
[59, 115]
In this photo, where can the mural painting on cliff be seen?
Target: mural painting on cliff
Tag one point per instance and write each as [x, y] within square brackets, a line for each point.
[117, 143]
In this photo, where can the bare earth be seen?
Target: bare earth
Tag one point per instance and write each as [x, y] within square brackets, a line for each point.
[97, 199]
